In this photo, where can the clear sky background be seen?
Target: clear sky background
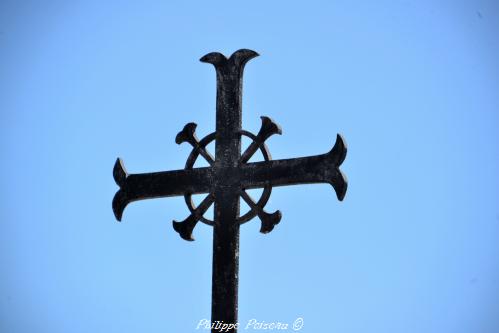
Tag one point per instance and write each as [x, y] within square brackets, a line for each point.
[413, 86]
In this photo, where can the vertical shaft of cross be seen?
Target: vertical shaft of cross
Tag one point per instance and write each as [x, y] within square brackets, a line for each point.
[226, 231]
[227, 154]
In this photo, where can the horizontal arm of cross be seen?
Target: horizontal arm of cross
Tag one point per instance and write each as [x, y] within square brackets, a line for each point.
[141, 186]
[305, 170]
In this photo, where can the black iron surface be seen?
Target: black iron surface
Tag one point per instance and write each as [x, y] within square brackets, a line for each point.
[226, 179]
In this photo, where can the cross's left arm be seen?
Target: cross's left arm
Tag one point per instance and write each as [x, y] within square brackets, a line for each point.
[142, 186]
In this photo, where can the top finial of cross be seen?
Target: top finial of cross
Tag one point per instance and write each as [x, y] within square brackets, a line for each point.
[240, 57]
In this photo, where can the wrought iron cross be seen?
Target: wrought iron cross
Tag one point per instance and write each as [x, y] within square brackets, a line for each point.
[227, 179]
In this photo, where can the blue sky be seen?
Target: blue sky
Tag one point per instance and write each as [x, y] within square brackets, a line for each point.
[412, 86]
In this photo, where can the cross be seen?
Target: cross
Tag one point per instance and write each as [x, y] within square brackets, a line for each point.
[226, 180]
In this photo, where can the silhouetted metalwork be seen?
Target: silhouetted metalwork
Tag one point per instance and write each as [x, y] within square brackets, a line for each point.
[227, 179]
